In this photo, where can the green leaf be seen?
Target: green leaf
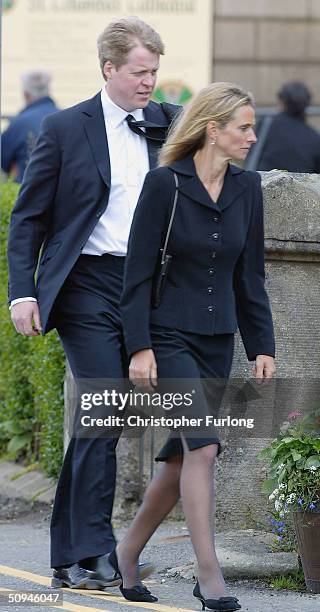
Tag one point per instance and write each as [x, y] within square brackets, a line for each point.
[17, 443]
[282, 476]
[12, 427]
[313, 460]
[269, 485]
[265, 453]
[295, 455]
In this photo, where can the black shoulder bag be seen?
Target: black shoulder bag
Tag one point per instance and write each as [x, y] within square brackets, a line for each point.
[164, 260]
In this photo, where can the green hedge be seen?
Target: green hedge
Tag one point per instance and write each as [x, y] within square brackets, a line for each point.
[31, 378]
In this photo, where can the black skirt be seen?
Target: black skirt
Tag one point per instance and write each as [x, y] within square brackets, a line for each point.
[198, 364]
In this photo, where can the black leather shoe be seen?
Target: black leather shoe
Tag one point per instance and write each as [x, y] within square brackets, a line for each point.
[103, 571]
[136, 593]
[75, 577]
[223, 604]
[106, 573]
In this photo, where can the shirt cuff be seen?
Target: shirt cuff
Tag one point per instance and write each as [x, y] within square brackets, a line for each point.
[24, 299]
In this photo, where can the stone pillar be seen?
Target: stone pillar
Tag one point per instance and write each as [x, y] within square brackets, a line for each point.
[292, 243]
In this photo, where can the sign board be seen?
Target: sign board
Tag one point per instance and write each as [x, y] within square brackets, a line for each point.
[60, 36]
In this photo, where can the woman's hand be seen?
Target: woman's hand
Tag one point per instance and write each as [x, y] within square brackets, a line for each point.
[264, 367]
[143, 369]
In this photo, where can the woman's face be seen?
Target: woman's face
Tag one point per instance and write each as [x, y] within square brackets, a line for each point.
[235, 139]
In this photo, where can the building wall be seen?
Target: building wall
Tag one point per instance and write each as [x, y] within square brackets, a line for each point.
[263, 43]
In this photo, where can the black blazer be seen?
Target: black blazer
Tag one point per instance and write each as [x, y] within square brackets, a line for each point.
[64, 192]
[291, 144]
[216, 278]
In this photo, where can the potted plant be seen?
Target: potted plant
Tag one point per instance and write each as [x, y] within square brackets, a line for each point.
[293, 485]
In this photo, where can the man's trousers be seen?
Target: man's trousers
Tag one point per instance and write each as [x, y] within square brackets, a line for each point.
[87, 318]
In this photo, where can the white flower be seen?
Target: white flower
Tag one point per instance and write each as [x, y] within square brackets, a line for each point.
[274, 494]
[282, 497]
[279, 468]
[277, 505]
[312, 468]
[282, 486]
[290, 499]
[281, 513]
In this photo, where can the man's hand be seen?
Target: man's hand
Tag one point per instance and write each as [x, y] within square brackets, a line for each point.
[264, 367]
[26, 318]
[143, 369]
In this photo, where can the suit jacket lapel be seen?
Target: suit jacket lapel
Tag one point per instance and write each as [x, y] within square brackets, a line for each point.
[192, 187]
[96, 132]
[154, 114]
[233, 187]
[190, 184]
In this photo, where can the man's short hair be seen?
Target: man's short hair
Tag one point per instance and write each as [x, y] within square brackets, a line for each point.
[295, 97]
[36, 83]
[122, 35]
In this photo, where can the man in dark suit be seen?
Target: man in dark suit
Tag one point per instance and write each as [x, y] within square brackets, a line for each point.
[290, 143]
[76, 203]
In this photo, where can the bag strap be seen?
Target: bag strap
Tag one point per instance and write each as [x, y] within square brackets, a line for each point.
[164, 251]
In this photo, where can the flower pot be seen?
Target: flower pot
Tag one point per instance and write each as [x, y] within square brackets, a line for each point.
[307, 528]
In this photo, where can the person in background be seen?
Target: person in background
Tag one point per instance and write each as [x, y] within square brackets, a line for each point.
[19, 139]
[214, 284]
[291, 144]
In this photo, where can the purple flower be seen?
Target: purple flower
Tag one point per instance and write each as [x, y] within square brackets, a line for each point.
[280, 537]
[300, 501]
[312, 506]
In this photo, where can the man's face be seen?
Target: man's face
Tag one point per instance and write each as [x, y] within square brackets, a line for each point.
[131, 85]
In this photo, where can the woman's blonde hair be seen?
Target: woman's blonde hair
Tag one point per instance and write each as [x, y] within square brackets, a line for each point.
[217, 102]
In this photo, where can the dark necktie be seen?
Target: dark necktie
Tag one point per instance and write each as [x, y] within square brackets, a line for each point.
[151, 131]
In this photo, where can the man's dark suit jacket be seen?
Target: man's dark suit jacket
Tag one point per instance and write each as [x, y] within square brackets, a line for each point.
[216, 277]
[291, 145]
[64, 193]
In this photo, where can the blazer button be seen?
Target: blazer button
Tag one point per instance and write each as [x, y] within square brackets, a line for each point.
[210, 289]
[214, 254]
[99, 213]
[215, 236]
[211, 271]
[210, 309]
[216, 219]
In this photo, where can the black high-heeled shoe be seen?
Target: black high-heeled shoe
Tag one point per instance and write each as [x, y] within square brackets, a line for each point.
[136, 593]
[223, 604]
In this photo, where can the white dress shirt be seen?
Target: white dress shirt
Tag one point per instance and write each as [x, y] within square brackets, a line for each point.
[129, 163]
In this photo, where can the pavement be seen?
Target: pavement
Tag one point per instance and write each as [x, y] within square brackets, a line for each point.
[245, 557]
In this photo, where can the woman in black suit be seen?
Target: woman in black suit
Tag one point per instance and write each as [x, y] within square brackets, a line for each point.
[215, 282]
